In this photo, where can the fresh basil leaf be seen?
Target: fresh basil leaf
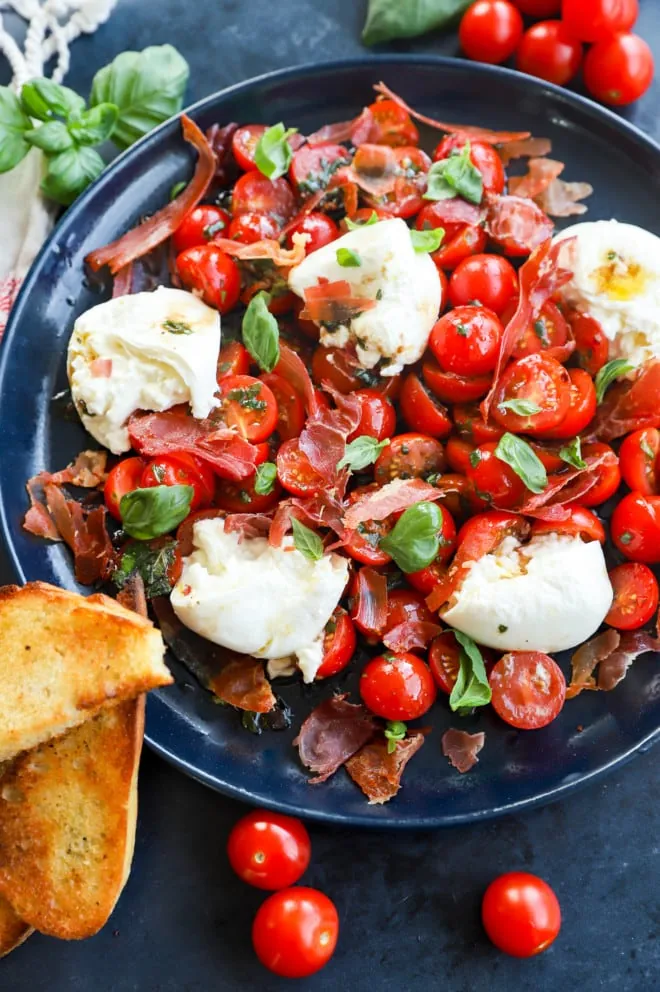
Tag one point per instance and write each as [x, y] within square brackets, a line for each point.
[395, 730]
[151, 512]
[471, 687]
[96, 125]
[306, 541]
[455, 176]
[146, 86]
[348, 259]
[70, 172]
[273, 153]
[607, 375]
[265, 478]
[261, 335]
[361, 452]
[524, 461]
[414, 541]
[428, 240]
[354, 225]
[52, 137]
[572, 454]
[45, 100]
[14, 124]
[152, 564]
[522, 408]
[387, 19]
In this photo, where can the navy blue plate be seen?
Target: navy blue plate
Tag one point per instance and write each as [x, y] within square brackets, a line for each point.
[206, 741]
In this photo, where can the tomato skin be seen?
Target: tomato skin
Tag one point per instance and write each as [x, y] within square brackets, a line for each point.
[619, 70]
[377, 416]
[406, 199]
[290, 407]
[334, 365]
[393, 124]
[295, 472]
[269, 850]
[638, 459]
[582, 408]
[490, 279]
[406, 604]
[458, 452]
[549, 330]
[201, 225]
[255, 193]
[181, 469]
[295, 932]
[122, 479]
[312, 166]
[240, 497]
[421, 411]
[538, 8]
[444, 661]
[598, 20]
[338, 644]
[521, 696]
[208, 269]
[582, 522]
[591, 346]
[470, 425]
[483, 156]
[397, 686]
[549, 51]
[320, 228]
[538, 379]
[248, 405]
[635, 596]
[468, 240]
[244, 143]
[252, 226]
[635, 527]
[409, 456]
[520, 914]
[490, 30]
[609, 475]
[494, 479]
[452, 388]
[234, 359]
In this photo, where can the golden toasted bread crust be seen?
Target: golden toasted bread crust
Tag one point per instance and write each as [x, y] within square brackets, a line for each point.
[13, 930]
[67, 823]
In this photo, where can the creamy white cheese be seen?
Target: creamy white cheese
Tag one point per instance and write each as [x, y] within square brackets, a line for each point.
[146, 351]
[548, 595]
[616, 279]
[404, 283]
[271, 603]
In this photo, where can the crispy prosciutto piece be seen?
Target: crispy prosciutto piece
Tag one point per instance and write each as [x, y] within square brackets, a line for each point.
[84, 531]
[374, 169]
[518, 220]
[331, 734]
[462, 748]
[565, 488]
[133, 596]
[527, 148]
[87, 471]
[587, 657]
[152, 232]
[358, 131]
[630, 405]
[457, 211]
[371, 599]
[266, 249]
[613, 669]
[541, 172]
[122, 284]
[324, 510]
[391, 498]
[292, 367]
[219, 138]
[613, 653]
[323, 439]
[248, 525]
[411, 634]
[562, 199]
[333, 302]
[378, 771]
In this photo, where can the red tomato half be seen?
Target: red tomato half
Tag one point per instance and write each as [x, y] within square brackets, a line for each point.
[244, 144]
[202, 224]
[582, 523]
[397, 686]
[521, 914]
[392, 124]
[466, 340]
[591, 346]
[234, 359]
[490, 30]
[269, 850]
[466, 241]
[608, 474]
[470, 424]
[377, 416]
[409, 456]
[295, 931]
[256, 193]
[445, 660]
[406, 199]
[122, 479]
[251, 226]
[240, 497]
[549, 330]
[421, 410]
[598, 20]
[248, 405]
[363, 542]
[493, 479]
[488, 280]
[635, 527]
[338, 644]
[548, 50]
[312, 166]
[214, 274]
[290, 407]
[528, 688]
[581, 410]
[320, 228]
[483, 156]
[181, 469]
[453, 388]
[334, 365]
[295, 472]
[406, 604]
[635, 596]
[619, 70]
[638, 458]
[537, 380]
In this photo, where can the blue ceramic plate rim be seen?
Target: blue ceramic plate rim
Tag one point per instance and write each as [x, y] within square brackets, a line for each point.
[156, 732]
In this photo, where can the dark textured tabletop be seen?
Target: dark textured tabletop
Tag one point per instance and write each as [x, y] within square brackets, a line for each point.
[408, 903]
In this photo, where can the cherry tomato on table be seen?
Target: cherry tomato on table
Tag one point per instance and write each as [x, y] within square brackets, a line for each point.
[338, 644]
[202, 224]
[483, 156]
[295, 472]
[581, 523]
[391, 124]
[538, 381]
[255, 193]
[619, 70]
[397, 686]
[409, 456]
[421, 410]
[214, 273]
[453, 388]
[320, 228]
[295, 931]
[608, 474]
[290, 406]
[377, 416]
[269, 850]
[466, 340]
[528, 689]
[487, 279]
[521, 914]
[252, 226]
[548, 50]
[313, 165]
[635, 527]
[492, 478]
[638, 457]
[490, 30]
[598, 20]
[234, 359]
[581, 410]
[244, 143]
[181, 469]
[122, 479]
[591, 346]
[635, 596]
[248, 405]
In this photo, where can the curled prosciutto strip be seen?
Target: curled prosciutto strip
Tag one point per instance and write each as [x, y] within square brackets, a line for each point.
[292, 367]
[371, 599]
[331, 734]
[562, 199]
[378, 770]
[87, 471]
[391, 498]
[132, 595]
[84, 531]
[462, 748]
[358, 131]
[541, 172]
[248, 525]
[411, 634]
[266, 249]
[323, 510]
[613, 653]
[527, 148]
[374, 169]
[630, 405]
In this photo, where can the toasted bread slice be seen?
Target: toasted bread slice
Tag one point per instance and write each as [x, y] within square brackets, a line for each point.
[67, 823]
[13, 930]
[65, 656]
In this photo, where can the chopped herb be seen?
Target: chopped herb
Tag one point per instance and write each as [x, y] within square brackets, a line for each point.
[646, 448]
[502, 628]
[611, 256]
[379, 294]
[348, 259]
[211, 230]
[177, 327]
[395, 730]
[462, 330]
[248, 397]
[475, 457]
[158, 472]
[331, 626]
[151, 563]
[244, 496]
[177, 188]
[541, 331]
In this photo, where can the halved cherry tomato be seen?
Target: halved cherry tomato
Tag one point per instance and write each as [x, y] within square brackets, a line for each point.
[377, 416]
[244, 144]
[521, 914]
[608, 474]
[363, 542]
[638, 458]
[312, 166]
[391, 124]
[493, 479]
[482, 533]
[488, 280]
[468, 240]
[213, 273]
[466, 340]
[256, 193]
[461, 499]
[484, 157]
[248, 405]
[537, 380]
[421, 410]
[406, 604]
[619, 69]
[295, 931]
[320, 228]
[591, 346]
[252, 225]
[452, 388]
[202, 224]
[445, 660]
[181, 469]
[409, 456]
[470, 424]
[581, 410]
[635, 596]
[240, 497]
[295, 471]
[397, 686]
[458, 452]
[549, 457]
[548, 50]
[490, 30]
[528, 689]
[635, 527]
[406, 198]
[290, 407]
[337, 367]
[549, 330]
[338, 644]
[269, 850]
[234, 359]
[582, 523]
[122, 479]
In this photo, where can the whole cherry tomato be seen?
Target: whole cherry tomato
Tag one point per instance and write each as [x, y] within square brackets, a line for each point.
[122, 479]
[377, 416]
[202, 224]
[494, 479]
[295, 932]
[619, 70]
[269, 850]
[638, 458]
[635, 527]
[521, 914]
[339, 643]
[421, 410]
[488, 280]
[451, 387]
[591, 346]
[213, 273]
[320, 228]
[466, 340]
[598, 20]
[178, 468]
[409, 456]
[490, 30]
[252, 226]
[392, 124]
[256, 193]
[549, 51]
[313, 165]
[397, 686]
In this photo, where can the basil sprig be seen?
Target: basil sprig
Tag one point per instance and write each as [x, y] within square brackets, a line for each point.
[273, 153]
[148, 513]
[265, 478]
[427, 241]
[572, 454]
[306, 541]
[524, 461]
[361, 452]
[261, 335]
[607, 375]
[354, 225]
[455, 176]
[395, 730]
[14, 124]
[471, 687]
[414, 540]
[387, 19]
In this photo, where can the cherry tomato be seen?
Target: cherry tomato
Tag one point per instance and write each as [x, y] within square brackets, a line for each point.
[528, 688]
[581, 410]
[240, 497]
[468, 240]
[252, 226]
[635, 596]
[549, 330]
[460, 500]
[453, 388]
[363, 542]
[489, 280]
[295, 472]
[470, 424]
[591, 346]
[490, 30]
[445, 660]
[483, 156]
[549, 456]
[538, 8]
[202, 224]
[608, 474]
[269, 850]
[421, 410]
[482, 533]
[458, 452]
[181, 469]
[234, 359]
[248, 405]
[619, 70]
[335, 366]
[214, 274]
[493, 479]
[638, 456]
[320, 228]
[635, 527]
[295, 932]
[406, 604]
[598, 20]
[548, 50]
[244, 144]
[466, 340]
[409, 456]
[122, 479]
[290, 407]
[519, 219]
[397, 686]
[338, 644]
[581, 523]
[255, 193]
[377, 416]
[521, 914]
[392, 124]
[537, 380]
[406, 199]
[313, 165]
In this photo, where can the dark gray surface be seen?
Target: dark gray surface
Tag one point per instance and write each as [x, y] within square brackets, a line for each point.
[409, 904]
